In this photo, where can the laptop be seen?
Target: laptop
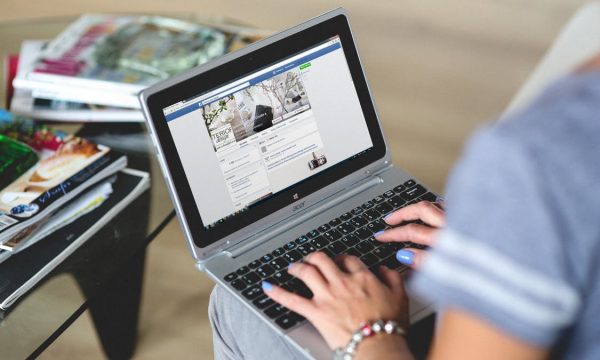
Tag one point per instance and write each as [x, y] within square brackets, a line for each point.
[276, 151]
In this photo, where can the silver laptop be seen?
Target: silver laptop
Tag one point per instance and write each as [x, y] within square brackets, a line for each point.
[273, 152]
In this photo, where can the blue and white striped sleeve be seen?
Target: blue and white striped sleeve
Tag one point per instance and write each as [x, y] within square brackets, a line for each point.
[501, 257]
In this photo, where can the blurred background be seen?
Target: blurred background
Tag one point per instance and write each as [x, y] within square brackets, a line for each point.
[437, 70]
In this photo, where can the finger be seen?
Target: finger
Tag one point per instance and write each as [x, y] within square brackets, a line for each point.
[416, 233]
[391, 278]
[411, 257]
[331, 272]
[296, 303]
[310, 275]
[350, 263]
[425, 211]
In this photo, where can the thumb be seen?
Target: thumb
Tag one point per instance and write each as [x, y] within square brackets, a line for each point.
[410, 257]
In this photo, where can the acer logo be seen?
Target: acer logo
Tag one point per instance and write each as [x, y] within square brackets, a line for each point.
[296, 196]
[298, 207]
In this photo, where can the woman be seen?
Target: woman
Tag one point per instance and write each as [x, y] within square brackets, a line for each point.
[515, 264]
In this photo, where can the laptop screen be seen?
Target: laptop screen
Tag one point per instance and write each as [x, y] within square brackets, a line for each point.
[245, 141]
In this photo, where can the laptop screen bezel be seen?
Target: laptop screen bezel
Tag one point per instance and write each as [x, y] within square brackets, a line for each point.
[237, 68]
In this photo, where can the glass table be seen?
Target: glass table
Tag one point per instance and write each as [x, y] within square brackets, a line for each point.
[105, 274]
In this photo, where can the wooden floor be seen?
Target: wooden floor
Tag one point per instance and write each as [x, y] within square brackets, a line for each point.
[437, 69]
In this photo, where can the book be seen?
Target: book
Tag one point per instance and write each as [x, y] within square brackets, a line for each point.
[25, 269]
[41, 170]
[108, 59]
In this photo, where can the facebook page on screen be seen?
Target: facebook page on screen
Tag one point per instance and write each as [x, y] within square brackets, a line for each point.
[247, 140]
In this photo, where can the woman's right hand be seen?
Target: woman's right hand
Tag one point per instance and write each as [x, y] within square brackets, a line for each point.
[432, 217]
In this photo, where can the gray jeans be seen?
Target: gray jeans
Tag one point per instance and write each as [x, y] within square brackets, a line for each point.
[240, 334]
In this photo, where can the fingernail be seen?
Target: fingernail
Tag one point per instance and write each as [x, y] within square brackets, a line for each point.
[387, 216]
[266, 286]
[378, 233]
[290, 265]
[406, 257]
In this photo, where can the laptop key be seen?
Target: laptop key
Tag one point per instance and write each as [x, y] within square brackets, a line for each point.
[346, 228]
[297, 316]
[286, 321]
[359, 221]
[413, 193]
[369, 204]
[357, 210]
[230, 277]
[251, 278]
[388, 194]
[242, 270]
[429, 197]
[363, 233]
[238, 284]
[312, 234]
[410, 183]
[266, 270]
[381, 252]
[302, 240]
[335, 222]
[263, 301]
[346, 216]
[396, 202]
[337, 247]
[254, 264]
[390, 262]
[350, 240]
[376, 226]
[328, 252]
[281, 277]
[378, 199]
[399, 188]
[252, 292]
[290, 246]
[364, 247]
[371, 215]
[275, 311]
[384, 208]
[332, 235]
[293, 256]
[324, 227]
[306, 249]
[369, 259]
[266, 258]
[279, 263]
[278, 252]
[319, 242]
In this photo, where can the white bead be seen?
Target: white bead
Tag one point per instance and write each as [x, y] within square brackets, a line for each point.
[389, 328]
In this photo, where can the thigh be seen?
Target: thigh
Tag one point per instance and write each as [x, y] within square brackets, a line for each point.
[240, 334]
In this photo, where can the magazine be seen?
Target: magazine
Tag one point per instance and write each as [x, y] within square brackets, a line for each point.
[41, 170]
[108, 59]
[25, 269]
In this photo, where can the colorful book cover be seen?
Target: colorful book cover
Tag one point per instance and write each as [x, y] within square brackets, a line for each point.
[41, 169]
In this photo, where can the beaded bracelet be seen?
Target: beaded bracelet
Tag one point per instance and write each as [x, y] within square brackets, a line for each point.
[366, 330]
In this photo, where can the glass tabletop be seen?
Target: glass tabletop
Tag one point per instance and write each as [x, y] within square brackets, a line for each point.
[45, 311]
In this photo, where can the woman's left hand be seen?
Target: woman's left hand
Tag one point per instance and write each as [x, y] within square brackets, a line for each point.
[346, 294]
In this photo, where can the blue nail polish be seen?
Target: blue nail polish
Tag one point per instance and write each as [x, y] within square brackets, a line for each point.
[290, 265]
[406, 257]
[266, 286]
[378, 233]
[387, 216]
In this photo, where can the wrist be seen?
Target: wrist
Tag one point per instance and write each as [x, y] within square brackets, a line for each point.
[383, 347]
[367, 331]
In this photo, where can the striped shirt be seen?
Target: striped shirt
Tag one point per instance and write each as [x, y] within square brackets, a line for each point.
[522, 245]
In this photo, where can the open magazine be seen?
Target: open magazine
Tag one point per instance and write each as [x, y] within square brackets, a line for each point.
[108, 59]
[41, 170]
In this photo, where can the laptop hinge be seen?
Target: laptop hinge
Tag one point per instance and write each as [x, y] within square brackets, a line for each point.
[316, 209]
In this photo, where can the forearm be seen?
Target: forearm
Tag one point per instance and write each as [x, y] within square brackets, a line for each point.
[383, 347]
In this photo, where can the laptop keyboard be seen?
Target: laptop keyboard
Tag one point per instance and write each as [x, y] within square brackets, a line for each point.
[351, 233]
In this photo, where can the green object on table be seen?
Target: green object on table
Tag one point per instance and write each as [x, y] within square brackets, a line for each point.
[15, 159]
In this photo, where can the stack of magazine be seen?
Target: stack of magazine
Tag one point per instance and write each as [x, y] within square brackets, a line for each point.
[58, 189]
[94, 69]
[48, 180]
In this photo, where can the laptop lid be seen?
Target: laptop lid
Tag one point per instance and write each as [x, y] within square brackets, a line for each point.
[250, 139]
